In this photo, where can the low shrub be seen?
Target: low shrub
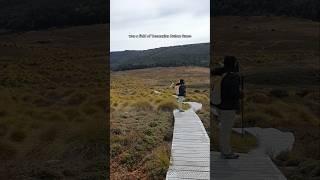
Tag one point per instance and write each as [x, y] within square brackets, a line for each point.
[167, 106]
[159, 163]
[115, 149]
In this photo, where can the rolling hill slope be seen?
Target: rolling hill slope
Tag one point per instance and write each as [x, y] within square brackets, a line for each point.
[185, 55]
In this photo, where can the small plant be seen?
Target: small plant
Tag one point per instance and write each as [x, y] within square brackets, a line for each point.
[148, 132]
[159, 163]
[115, 149]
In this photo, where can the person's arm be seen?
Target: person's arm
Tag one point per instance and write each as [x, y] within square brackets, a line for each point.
[172, 84]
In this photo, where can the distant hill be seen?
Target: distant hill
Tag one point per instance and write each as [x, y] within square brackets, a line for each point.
[23, 15]
[185, 55]
[309, 9]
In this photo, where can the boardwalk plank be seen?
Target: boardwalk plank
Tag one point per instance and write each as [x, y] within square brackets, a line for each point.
[190, 153]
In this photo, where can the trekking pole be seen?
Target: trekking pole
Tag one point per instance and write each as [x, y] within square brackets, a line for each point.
[242, 105]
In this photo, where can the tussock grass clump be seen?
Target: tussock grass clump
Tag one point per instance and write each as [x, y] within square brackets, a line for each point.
[300, 168]
[243, 144]
[253, 118]
[167, 106]
[273, 111]
[142, 106]
[259, 98]
[239, 144]
[279, 93]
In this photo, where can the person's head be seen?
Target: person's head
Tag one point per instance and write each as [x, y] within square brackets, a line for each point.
[181, 81]
[230, 64]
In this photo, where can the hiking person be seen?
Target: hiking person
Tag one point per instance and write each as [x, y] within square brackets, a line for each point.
[181, 94]
[226, 103]
[176, 88]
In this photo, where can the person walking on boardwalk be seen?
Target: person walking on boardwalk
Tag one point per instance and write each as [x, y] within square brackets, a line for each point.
[227, 103]
[176, 88]
[181, 94]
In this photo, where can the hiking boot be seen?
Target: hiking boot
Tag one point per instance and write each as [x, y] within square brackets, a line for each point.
[229, 156]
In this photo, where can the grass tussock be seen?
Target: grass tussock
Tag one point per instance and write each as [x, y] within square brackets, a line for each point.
[168, 106]
[142, 106]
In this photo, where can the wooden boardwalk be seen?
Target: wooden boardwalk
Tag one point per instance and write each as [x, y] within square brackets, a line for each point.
[256, 165]
[190, 152]
[247, 167]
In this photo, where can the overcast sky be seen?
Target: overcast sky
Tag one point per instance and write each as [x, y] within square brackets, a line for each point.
[158, 17]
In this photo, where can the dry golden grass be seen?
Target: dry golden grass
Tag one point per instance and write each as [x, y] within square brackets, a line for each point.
[280, 61]
[141, 120]
[51, 94]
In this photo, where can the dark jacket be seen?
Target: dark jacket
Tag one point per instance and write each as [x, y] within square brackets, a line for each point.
[182, 90]
[230, 92]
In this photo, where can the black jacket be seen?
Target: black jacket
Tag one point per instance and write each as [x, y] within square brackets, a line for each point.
[182, 90]
[230, 92]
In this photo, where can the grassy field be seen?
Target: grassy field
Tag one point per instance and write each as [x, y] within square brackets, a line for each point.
[53, 120]
[142, 121]
[279, 58]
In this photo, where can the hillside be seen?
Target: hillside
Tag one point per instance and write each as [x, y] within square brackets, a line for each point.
[185, 55]
[308, 9]
[20, 15]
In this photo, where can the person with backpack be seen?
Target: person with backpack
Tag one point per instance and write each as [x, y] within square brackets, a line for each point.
[226, 102]
[181, 94]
